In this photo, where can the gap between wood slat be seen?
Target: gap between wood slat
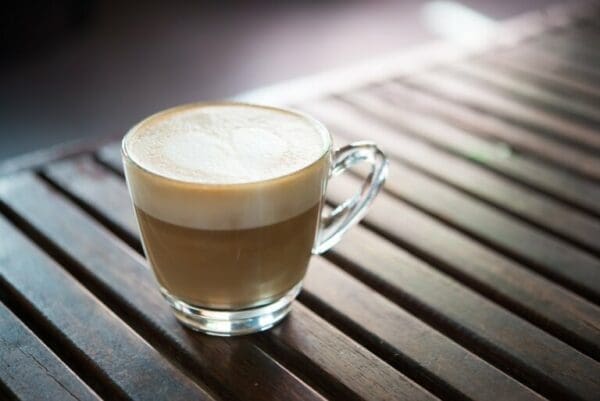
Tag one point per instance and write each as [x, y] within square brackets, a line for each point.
[372, 342]
[531, 315]
[541, 99]
[536, 267]
[27, 366]
[552, 64]
[298, 363]
[6, 394]
[86, 370]
[473, 96]
[538, 148]
[488, 174]
[123, 234]
[560, 85]
[570, 86]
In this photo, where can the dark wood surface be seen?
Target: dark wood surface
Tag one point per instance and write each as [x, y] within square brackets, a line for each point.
[28, 366]
[475, 275]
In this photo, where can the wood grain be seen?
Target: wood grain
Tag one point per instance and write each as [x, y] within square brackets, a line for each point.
[382, 325]
[521, 349]
[567, 84]
[111, 205]
[507, 136]
[550, 63]
[38, 158]
[114, 360]
[545, 253]
[565, 46]
[484, 99]
[30, 371]
[400, 127]
[528, 92]
[311, 341]
[542, 302]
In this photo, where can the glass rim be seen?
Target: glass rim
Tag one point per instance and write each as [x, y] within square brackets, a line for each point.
[320, 127]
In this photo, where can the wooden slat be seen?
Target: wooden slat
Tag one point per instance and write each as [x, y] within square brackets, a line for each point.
[535, 207]
[547, 305]
[30, 371]
[116, 360]
[560, 84]
[548, 78]
[380, 321]
[370, 327]
[540, 250]
[522, 349]
[121, 279]
[110, 155]
[484, 99]
[506, 135]
[40, 157]
[332, 355]
[528, 92]
[553, 64]
[106, 188]
[567, 47]
[116, 206]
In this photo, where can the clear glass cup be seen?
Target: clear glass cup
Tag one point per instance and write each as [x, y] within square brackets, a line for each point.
[239, 280]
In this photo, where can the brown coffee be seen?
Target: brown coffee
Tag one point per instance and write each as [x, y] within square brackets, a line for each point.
[228, 200]
[229, 269]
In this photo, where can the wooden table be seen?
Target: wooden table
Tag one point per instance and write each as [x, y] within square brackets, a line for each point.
[475, 276]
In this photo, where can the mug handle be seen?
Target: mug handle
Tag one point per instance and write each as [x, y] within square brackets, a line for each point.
[334, 224]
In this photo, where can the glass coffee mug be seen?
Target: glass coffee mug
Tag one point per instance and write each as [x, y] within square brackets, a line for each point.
[230, 255]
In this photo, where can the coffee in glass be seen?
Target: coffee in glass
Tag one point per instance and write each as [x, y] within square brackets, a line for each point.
[228, 198]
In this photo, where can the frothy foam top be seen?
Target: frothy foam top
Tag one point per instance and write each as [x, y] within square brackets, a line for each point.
[279, 158]
[225, 144]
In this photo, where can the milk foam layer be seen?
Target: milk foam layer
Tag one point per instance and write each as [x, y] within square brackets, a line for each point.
[230, 166]
[226, 144]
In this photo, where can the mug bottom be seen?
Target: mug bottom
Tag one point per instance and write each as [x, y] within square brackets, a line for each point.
[232, 323]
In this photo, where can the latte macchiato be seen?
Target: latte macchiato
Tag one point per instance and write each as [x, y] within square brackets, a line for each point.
[228, 198]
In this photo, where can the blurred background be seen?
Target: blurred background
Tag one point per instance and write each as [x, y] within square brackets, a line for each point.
[74, 69]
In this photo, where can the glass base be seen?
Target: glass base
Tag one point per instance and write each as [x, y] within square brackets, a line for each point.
[232, 323]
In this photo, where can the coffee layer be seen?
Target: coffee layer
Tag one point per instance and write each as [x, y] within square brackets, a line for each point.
[229, 269]
[262, 166]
